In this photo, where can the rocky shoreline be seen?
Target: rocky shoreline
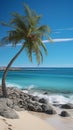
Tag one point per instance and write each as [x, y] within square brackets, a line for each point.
[20, 101]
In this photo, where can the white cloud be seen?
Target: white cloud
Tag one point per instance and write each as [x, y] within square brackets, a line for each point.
[47, 41]
[59, 40]
[64, 29]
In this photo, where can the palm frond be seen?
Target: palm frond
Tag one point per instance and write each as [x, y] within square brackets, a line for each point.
[42, 45]
[50, 39]
[43, 29]
[28, 11]
[19, 21]
[26, 29]
[39, 56]
[29, 50]
[8, 25]
[32, 17]
[4, 41]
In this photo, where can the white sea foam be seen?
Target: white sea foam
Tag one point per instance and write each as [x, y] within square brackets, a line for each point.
[51, 98]
[28, 89]
[40, 95]
[31, 87]
[55, 98]
[71, 99]
[58, 99]
[25, 91]
[13, 85]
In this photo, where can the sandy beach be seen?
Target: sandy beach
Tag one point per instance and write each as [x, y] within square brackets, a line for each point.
[36, 121]
[58, 122]
[26, 121]
[31, 120]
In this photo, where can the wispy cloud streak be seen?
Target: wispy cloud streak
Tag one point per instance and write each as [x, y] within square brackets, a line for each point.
[47, 41]
[59, 40]
[64, 29]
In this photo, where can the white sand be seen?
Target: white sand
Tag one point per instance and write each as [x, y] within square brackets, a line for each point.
[26, 121]
[58, 122]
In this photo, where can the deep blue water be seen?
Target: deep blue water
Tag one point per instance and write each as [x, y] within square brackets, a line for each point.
[53, 80]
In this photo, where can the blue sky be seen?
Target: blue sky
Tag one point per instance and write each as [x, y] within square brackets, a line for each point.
[58, 14]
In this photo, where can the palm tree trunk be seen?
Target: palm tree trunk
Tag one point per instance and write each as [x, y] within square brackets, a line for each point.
[4, 91]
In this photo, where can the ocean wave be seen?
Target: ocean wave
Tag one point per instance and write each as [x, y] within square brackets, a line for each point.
[55, 99]
[58, 99]
[61, 99]
[30, 87]
[40, 95]
[13, 85]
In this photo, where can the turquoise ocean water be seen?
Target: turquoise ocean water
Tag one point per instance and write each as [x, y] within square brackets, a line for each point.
[57, 82]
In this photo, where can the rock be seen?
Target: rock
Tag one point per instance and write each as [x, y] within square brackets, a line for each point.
[23, 101]
[26, 95]
[17, 108]
[51, 111]
[31, 107]
[67, 106]
[45, 107]
[15, 101]
[42, 100]
[21, 96]
[20, 103]
[38, 109]
[64, 114]
[34, 108]
[25, 107]
[8, 112]
[35, 98]
[45, 93]
[9, 103]
[48, 109]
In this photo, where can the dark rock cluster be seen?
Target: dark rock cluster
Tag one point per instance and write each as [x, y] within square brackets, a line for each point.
[24, 101]
[20, 101]
[67, 106]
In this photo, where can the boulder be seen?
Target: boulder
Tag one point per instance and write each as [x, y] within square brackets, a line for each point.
[38, 108]
[45, 107]
[64, 114]
[45, 93]
[67, 106]
[35, 98]
[7, 102]
[48, 109]
[8, 112]
[51, 111]
[17, 108]
[20, 101]
[42, 100]
[31, 107]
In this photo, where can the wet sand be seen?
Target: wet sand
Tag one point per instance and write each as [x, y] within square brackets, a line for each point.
[58, 122]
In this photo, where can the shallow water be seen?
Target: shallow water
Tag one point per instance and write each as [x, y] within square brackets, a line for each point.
[57, 82]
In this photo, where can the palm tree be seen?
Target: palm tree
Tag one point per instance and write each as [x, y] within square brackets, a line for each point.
[26, 31]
